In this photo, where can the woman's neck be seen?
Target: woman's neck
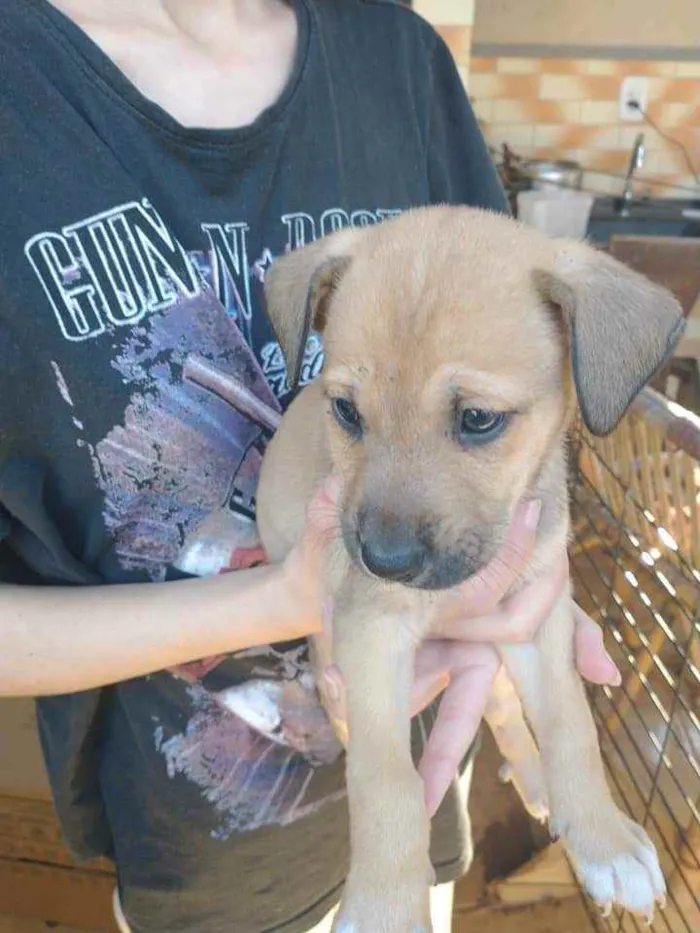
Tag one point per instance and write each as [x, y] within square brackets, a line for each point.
[208, 63]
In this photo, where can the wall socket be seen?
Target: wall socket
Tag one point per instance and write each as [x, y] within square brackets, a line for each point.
[633, 91]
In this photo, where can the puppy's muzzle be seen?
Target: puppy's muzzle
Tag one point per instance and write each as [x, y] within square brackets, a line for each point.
[390, 547]
[404, 549]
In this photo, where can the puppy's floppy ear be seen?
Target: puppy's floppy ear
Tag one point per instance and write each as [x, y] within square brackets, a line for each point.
[622, 327]
[298, 290]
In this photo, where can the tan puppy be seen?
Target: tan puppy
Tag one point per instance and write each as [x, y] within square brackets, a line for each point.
[456, 344]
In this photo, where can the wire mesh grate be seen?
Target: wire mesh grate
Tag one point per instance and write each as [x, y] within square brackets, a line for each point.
[635, 554]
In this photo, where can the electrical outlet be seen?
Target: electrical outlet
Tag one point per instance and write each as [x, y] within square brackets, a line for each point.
[634, 97]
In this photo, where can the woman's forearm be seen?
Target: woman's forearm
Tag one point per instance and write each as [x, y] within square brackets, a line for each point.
[63, 640]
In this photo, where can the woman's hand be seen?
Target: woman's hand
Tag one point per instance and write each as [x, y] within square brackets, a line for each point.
[303, 568]
[465, 670]
[476, 616]
[461, 659]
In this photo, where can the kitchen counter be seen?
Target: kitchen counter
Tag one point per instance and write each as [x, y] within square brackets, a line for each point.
[677, 217]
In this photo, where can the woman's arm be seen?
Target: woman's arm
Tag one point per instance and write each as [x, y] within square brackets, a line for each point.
[62, 640]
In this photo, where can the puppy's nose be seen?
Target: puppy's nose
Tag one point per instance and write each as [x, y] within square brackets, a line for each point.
[389, 547]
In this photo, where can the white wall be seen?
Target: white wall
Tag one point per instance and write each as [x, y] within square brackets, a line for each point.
[651, 23]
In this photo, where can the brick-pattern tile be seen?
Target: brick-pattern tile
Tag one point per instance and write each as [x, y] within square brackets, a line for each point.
[599, 112]
[577, 137]
[675, 90]
[511, 87]
[517, 66]
[459, 41]
[579, 87]
[484, 65]
[688, 69]
[536, 112]
[568, 108]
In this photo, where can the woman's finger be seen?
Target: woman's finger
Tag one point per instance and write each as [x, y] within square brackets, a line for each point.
[428, 689]
[480, 595]
[460, 713]
[592, 660]
[435, 659]
[322, 514]
[518, 617]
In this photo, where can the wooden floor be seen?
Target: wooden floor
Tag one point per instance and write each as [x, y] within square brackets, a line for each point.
[563, 917]
[558, 917]
[12, 925]
[501, 833]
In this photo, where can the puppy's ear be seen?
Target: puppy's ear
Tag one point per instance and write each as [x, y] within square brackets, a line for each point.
[298, 290]
[621, 325]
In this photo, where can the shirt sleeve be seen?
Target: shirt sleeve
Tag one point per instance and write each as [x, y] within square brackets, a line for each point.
[12, 569]
[32, 548]
[460, 168]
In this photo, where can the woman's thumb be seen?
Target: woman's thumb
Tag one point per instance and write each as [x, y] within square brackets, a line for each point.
[322, 514]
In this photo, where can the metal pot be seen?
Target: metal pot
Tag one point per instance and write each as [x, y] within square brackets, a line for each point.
[555, 173]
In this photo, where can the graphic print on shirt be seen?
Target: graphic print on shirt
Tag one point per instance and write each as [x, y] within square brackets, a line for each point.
[179, 475]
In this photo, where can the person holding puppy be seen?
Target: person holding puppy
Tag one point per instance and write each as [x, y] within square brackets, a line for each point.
[158, 154]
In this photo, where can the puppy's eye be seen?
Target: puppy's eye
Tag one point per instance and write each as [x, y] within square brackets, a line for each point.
[477, 425]
[347, 416]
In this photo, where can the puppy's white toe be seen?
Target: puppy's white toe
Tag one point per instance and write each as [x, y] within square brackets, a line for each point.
[631, 878]
[625, 881]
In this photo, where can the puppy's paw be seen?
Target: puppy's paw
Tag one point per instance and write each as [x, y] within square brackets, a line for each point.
[527, 777]
[617, 864]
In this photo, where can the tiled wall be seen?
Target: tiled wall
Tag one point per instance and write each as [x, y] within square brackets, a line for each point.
[454, 20]
[567, 108]
[459, 40]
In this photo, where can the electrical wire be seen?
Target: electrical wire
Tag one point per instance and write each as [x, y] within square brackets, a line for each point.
[634, 104]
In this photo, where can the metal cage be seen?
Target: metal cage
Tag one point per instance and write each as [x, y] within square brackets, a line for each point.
[635, 556]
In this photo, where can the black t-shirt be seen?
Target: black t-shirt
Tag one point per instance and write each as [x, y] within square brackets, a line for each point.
[132, 257]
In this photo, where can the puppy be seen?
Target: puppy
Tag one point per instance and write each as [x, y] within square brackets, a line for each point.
[458, 344]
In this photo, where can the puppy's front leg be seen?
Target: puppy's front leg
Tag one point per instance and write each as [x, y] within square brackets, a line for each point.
[387, 890]
[613, 857]
[522, 765]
